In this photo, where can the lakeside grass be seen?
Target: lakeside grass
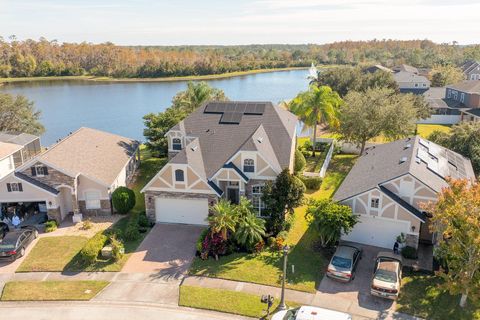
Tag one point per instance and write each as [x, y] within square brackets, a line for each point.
[52, 290]
[160, 79]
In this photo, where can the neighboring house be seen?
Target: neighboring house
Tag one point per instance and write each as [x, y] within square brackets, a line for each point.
[444, 111]
[78, 174]
[388, 184]
[466, 93]
[377, 67]
[409, 82]
[7, 151]
[30, 146]
[223, 149]
[471, 69]
[405, 68]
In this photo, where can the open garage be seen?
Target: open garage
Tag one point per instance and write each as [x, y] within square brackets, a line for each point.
[187, 211]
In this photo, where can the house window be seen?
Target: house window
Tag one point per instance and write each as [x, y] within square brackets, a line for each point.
[176, 144]
[449, 94]
[179, 175]
[424, 84]
[462, 97]
[258, 204]
[39, 171]
[375, 203]
[92, 200]
[455, 95]
[416, 85]
[14, 187]
[248, 165]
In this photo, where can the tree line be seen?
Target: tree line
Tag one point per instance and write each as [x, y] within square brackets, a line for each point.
[31, 58]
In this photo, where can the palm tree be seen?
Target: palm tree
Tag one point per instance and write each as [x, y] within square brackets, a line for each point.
[318, 105]
[250, 230]
[196, 94]
[223, 218]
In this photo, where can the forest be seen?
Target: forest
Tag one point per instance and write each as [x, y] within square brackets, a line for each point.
[32, 58]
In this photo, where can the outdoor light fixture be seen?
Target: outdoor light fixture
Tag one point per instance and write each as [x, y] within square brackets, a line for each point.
[413, 228]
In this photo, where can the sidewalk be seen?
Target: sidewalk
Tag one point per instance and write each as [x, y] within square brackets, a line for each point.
[319, 299]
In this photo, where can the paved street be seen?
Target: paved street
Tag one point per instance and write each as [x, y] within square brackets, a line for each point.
[102, 311]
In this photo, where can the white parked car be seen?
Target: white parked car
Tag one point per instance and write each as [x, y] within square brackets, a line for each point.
[387, 276]
[310, 313]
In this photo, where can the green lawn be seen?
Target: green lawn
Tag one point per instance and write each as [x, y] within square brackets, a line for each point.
[52, 253]
[51, 290]
[420, 296]
[265, 268]
[225, 301]
[424, 130]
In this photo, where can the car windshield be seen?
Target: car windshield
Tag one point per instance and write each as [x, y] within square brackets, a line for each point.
[7, 245]
[291, 314]
[340, 262]
[386, 276]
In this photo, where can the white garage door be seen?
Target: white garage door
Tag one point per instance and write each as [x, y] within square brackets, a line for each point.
[189, 211]
[377, 232]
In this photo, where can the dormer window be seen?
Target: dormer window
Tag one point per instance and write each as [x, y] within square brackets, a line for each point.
[179, 175]
[39, 171]
[248, 165]
[375, 203]
[176, 144]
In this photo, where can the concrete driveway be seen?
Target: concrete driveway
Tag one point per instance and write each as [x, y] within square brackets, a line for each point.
[167, 251]
[357, 292]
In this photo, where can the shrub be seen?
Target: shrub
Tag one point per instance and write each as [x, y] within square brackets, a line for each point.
[409, 252]
[300, 162]
[118, 249]
[308, 146]
[213, 244]
[271, 241]
[87, 224]
[202, 236]
[283, 235]
[289, 221]
[311, 183]
[51, 225]
[143, 221]
[123, 199]
[131, 230]
[92, 248]
[259, 246]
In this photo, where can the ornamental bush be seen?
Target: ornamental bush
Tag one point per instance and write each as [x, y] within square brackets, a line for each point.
[132, 232]
[123, 199]
[311, 183]
[51, 225]
[92, 248]
[300, 162]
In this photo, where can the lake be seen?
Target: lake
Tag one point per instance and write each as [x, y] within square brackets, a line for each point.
[119, 107]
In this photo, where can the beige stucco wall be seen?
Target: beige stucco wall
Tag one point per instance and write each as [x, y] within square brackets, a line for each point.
[30, 193]
[85, 184]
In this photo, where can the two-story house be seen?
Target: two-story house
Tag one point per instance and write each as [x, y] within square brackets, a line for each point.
[388, 184]
[466, 93]
[76, 175]
[409, 82]
[222, 150]
[471, 69]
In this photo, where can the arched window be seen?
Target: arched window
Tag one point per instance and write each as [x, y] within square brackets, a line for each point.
[248, 165]
[176, 144]
[179, 176]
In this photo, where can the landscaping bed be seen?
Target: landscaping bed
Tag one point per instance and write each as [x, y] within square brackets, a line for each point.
[225, 301]
[420, 296]
[52, 290]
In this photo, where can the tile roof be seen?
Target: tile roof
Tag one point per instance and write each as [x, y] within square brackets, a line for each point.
[7, 149]
[17, 138]
[94, 153]
[218, 142]
[469, 86]
[388, 161]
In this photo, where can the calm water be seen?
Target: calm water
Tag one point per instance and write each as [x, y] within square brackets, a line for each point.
[119, 107]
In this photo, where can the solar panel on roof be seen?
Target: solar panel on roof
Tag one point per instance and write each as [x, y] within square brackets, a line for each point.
[240, 108]
[231, 117]
[255, 109]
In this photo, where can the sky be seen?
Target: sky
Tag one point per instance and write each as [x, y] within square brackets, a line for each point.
[179, 22]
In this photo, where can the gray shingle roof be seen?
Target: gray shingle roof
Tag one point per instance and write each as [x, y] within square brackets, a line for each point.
[218, 142]
[404, 76]
[383, 163]
[469, 86]
[474, 112]
[406, 68]
[435, 97]
[17, 138]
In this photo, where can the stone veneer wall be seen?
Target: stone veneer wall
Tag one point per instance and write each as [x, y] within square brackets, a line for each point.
[54, 214]
[54, 178]
[250, 184]
[103, 211]
[150, 199]
[411, 240]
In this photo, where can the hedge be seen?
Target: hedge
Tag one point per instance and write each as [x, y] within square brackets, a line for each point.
[311, 183]
[92, 248]
[131, 231]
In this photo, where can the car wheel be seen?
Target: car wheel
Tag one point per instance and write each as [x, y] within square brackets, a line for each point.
[35, 234]
[22, 252]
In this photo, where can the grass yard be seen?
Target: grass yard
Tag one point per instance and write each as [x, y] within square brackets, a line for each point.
[51, 290]
[424, 130]
[421, 297]
[52, 253]
[265, 268]
[314, 164]
[225, 301]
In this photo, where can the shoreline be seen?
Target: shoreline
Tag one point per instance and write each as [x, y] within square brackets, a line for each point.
[165, 79]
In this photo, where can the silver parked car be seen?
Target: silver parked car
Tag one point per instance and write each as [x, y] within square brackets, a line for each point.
[344, 262]
[387, 275]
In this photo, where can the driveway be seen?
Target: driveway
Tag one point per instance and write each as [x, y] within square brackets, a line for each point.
[357, 292]
[167, 251]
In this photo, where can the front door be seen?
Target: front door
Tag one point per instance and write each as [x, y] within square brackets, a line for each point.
[233, 195]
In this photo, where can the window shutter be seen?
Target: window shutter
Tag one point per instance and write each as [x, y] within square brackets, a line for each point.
[34, 172]
[20, 187]
[9, 188]
[45, 170]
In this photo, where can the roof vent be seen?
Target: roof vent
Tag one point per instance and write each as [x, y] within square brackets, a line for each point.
[403, 159]
[260, 139]
[418, 160]
[408, 146]
[194, 148]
